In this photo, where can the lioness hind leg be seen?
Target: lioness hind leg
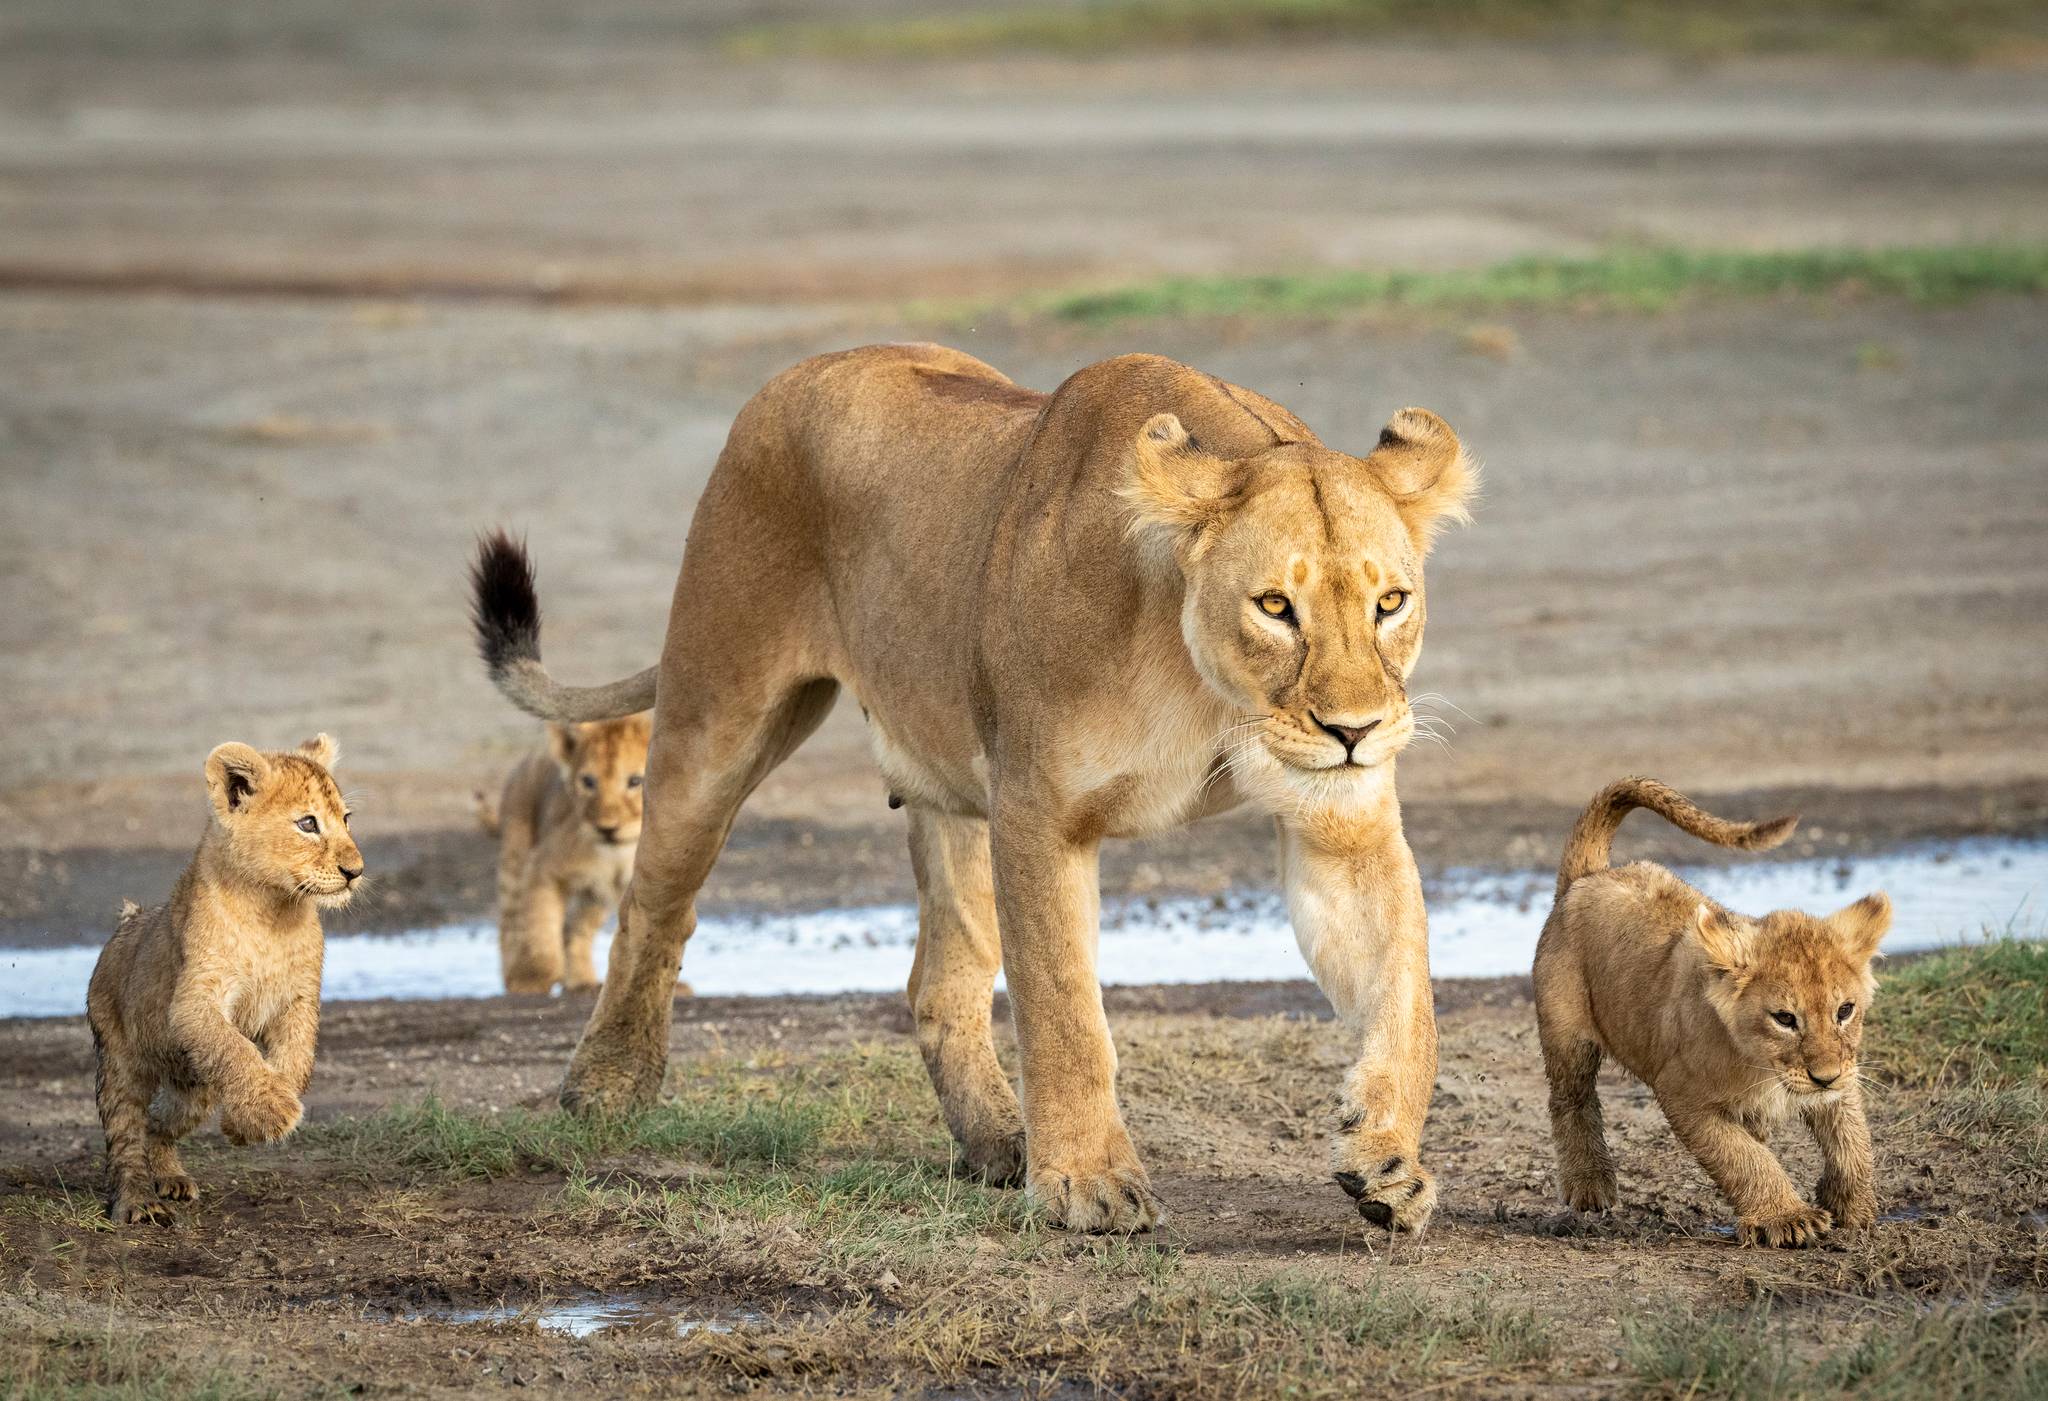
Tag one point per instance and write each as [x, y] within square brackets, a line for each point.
[712, 746]
[952, 983]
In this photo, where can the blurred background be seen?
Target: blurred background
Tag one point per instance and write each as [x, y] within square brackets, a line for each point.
[1741, 304]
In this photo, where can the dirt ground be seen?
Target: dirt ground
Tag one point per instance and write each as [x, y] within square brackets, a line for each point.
[289, 312]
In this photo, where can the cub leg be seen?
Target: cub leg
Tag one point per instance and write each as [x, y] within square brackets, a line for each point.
[123, 1089]
[177, 1111]
[1355, 900]
[1768, 1209]
[1848, 1179]
[586, 917]
[1571, 1059]
[530, 942]
[952, 983]
[1080, 1162]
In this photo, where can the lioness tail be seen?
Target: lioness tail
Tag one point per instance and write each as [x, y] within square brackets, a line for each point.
[1586, 851]
[506, 611]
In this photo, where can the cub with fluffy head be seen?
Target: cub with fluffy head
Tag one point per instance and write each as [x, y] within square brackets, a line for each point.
[214, 998]
[1733, 1022]
[568, 823]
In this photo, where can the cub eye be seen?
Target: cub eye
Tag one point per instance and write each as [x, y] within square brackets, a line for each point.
[635, 780]
[308, 824]
[1842, 1012]
[1392, 602]
[1276, 605]
[590, 783]
[1786, 1020]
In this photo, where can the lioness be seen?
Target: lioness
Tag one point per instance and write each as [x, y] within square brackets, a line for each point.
[215, 997]
[1106, 611]
[567, 823]
[1731, 1021]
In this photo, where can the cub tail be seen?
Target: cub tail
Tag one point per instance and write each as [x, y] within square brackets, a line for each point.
[1592, 838]
[506, 611]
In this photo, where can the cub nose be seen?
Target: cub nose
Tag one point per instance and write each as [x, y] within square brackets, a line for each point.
[610, 834]
[1823, 1080]
[349, 873]
[1346, 735]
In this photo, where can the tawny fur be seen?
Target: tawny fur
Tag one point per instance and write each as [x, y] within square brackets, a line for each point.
[1686, 995]
[214, 998]
[1049, 609]
[567, 825]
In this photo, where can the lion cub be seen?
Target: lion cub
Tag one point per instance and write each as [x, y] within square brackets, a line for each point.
[214, 998]
[567, 825]
[1732, 1021]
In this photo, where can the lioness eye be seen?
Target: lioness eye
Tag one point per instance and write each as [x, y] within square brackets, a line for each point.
[1392, 602]
[634, 780]
[345, 817]
[1785, 1019]
[590, 782]
[308, 824]
[1842, 1012]
[1276, 605]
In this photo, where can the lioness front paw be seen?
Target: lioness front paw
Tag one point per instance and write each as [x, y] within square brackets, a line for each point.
[997, 1159]
[1590, 1193]
[1391, 1186]
[263, 1115]
[1112, 1200]
[1792, 1229]
[601, 1084]
[1854, 1207]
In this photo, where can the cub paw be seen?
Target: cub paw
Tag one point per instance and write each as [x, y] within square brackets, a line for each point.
[177, 1187]
[1393, 1190]
[1854, 1208]
[1792, 1229]
[1112, 1201]
[1589, 1193]
[263, 1116]
[132, 1209]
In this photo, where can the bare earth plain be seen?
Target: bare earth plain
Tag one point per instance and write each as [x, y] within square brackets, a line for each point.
[1780, 554]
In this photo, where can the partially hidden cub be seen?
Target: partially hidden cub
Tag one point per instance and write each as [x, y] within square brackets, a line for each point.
[214, 998]
[567, 823]
[1732, 1021]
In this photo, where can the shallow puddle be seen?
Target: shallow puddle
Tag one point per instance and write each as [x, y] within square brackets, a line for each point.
[1481, 924]
[579, 1318]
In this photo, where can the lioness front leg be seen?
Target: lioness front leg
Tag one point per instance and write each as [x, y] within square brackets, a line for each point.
[1356, 901]
[1080, 1163]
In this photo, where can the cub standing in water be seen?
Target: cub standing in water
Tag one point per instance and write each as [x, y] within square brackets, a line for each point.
[214, 998]
[1732, 1021]
[567, 826]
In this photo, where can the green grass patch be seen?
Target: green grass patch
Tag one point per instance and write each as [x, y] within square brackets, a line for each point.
[45, 1361]
[1638, 280]
[1965, 1352]
[1975, 1015]
[1939, 30]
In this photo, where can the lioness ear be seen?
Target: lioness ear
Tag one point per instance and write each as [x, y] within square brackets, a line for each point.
[1174, 487]
[562, 744]
[1725, 945]
[1424, 468]
[322, 750]
[1862, 926]
[233, 774]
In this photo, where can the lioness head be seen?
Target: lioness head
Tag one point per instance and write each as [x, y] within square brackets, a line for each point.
[1792, 988]
[284, 822]
[605, 765]
[1304, 600]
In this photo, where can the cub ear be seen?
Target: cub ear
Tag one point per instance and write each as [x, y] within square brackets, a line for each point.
[322, 750]
[1861, 927]
[234, 773]
[1421, 464]
[562, 743]
[1725, 943]
[1174, 488]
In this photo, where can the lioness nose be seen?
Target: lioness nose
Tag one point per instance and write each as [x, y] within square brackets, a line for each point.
[1346, 735]
[1823, 1080]
[349, 873]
